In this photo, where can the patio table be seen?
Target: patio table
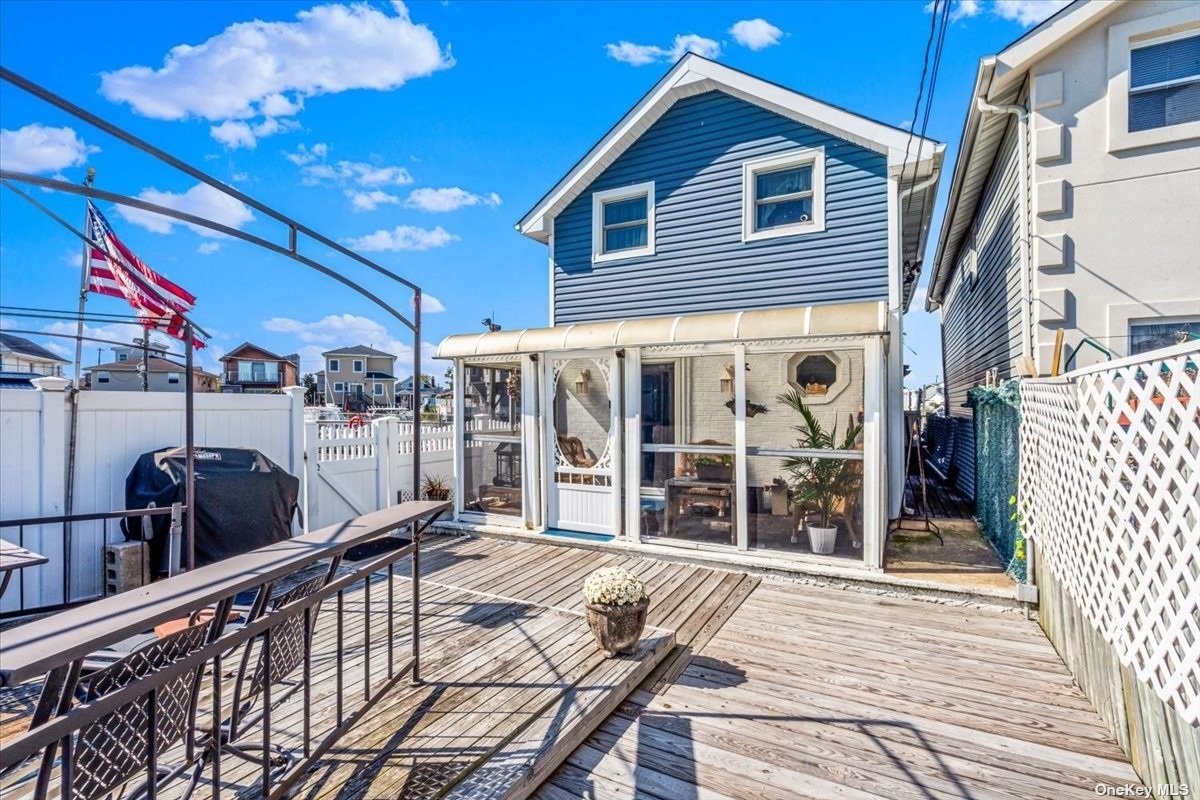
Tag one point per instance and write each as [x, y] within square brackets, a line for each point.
[13, 558]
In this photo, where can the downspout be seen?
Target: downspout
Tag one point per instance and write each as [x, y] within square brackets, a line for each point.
[1022, 115]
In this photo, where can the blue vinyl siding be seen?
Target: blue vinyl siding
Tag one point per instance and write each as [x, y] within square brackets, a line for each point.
[694, 154]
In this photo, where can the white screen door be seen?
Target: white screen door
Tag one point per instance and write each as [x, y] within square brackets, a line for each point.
[583, 401]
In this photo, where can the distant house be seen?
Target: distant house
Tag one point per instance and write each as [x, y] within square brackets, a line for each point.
[404, 391]
[251, 369]
[319, 377]
[124, 373]
[1075, 202]
[21, 360]
[359, 377]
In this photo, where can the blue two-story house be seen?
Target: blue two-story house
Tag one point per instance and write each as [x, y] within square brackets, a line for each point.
[729, 266]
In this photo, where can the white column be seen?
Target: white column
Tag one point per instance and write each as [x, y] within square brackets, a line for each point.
[633, 443]
[381, 430]
[531, 498]
[459, 429]
[741, 479]
[875, 449]
[308, 476]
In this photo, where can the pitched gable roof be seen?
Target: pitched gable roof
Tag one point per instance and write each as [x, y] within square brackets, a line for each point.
[358, 350]
[694, 75]
[293, 358]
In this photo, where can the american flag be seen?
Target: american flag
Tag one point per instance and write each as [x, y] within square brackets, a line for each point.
[114, 270]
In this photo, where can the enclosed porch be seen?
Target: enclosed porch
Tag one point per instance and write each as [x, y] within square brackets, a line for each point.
[756, 433]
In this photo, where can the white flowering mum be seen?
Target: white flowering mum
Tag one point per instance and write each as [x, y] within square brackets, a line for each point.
[613, 586]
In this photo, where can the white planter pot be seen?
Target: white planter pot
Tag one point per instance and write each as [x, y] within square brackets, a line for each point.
[822, 540]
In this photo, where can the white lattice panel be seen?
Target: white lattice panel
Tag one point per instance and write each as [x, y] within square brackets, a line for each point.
[1110, 492]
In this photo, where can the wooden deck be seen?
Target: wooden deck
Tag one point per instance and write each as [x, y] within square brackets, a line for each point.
[741, 689]
[814, 692]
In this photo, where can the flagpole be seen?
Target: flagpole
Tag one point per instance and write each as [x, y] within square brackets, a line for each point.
[83, 287]
[69, 504]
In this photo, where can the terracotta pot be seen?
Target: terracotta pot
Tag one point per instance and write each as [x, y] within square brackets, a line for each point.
[617, 628]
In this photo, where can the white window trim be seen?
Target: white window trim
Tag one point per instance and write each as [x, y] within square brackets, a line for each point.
[335, 365]
[358, 391]
[1122, 40]
[814, 156]
[378, 390]
[358, 365]
[622, 193]
[339, 387]
[174, 377]
[103, 376]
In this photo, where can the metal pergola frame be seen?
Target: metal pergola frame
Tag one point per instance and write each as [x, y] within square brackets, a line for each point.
[295, 229]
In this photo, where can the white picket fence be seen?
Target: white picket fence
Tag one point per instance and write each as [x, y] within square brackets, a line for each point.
[1110, 492]
[344, 472]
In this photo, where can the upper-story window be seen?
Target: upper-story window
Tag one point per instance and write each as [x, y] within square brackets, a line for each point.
[358, 365]
[1164, 82]
[122, 356]
[783, 195]
[335, 365]
[623, 222]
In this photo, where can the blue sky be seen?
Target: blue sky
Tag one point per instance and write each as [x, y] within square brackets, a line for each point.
[419, 133]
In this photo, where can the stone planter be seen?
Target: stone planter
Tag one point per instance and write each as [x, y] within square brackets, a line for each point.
[617, 628]
[822, 540]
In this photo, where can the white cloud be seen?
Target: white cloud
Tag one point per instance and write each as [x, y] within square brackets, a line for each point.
[962, 9]
[756, 33]
[641, 54]
[38, 148]
[201, 200]
[315, 170]
[262, 70]
[369, 201]
[431, 305]
[233, 134]
[208, 248]
[402, 237]
[1028, 12]
[306, 155]
[449, 199]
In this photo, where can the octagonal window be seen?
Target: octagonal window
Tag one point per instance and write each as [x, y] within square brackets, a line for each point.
[818, 376]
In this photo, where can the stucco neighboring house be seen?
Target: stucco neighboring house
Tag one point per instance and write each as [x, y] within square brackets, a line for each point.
[1075, 201]
[20, 355]
[165, 376]
[728, 241]
[359, 377]
[251, 369]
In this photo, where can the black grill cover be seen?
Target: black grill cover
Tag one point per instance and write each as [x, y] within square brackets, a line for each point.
[243, 500]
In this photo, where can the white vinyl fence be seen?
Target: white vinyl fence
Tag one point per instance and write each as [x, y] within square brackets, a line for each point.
[343, 472]
[1110, 493]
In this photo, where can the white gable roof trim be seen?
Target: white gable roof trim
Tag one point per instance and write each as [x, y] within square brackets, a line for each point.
[694, 75]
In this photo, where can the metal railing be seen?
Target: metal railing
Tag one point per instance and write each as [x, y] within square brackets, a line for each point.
[98, 529]
[57, 648]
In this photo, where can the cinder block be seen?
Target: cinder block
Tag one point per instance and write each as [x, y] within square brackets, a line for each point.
[126, 566]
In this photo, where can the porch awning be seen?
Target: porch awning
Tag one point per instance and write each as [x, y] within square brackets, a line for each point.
[862, 319]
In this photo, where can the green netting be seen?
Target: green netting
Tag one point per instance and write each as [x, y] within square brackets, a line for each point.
[997, 423]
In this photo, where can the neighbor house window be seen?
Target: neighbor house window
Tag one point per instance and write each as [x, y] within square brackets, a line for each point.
[623, 222]
[1151, 335]
[339, 387]
[379, 390]
[1164, 82]
[102, 377]
[335, 365]
[122, 356]
[784, 195]
[173, 377]
[358, 365]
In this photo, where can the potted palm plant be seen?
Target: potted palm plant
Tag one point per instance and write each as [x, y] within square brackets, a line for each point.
[435, 487]
[820, 483]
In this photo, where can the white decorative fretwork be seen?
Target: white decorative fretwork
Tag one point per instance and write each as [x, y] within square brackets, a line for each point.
[1110, 492]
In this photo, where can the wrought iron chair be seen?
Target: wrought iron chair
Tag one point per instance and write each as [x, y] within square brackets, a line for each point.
[104, 756]
[264, 665]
